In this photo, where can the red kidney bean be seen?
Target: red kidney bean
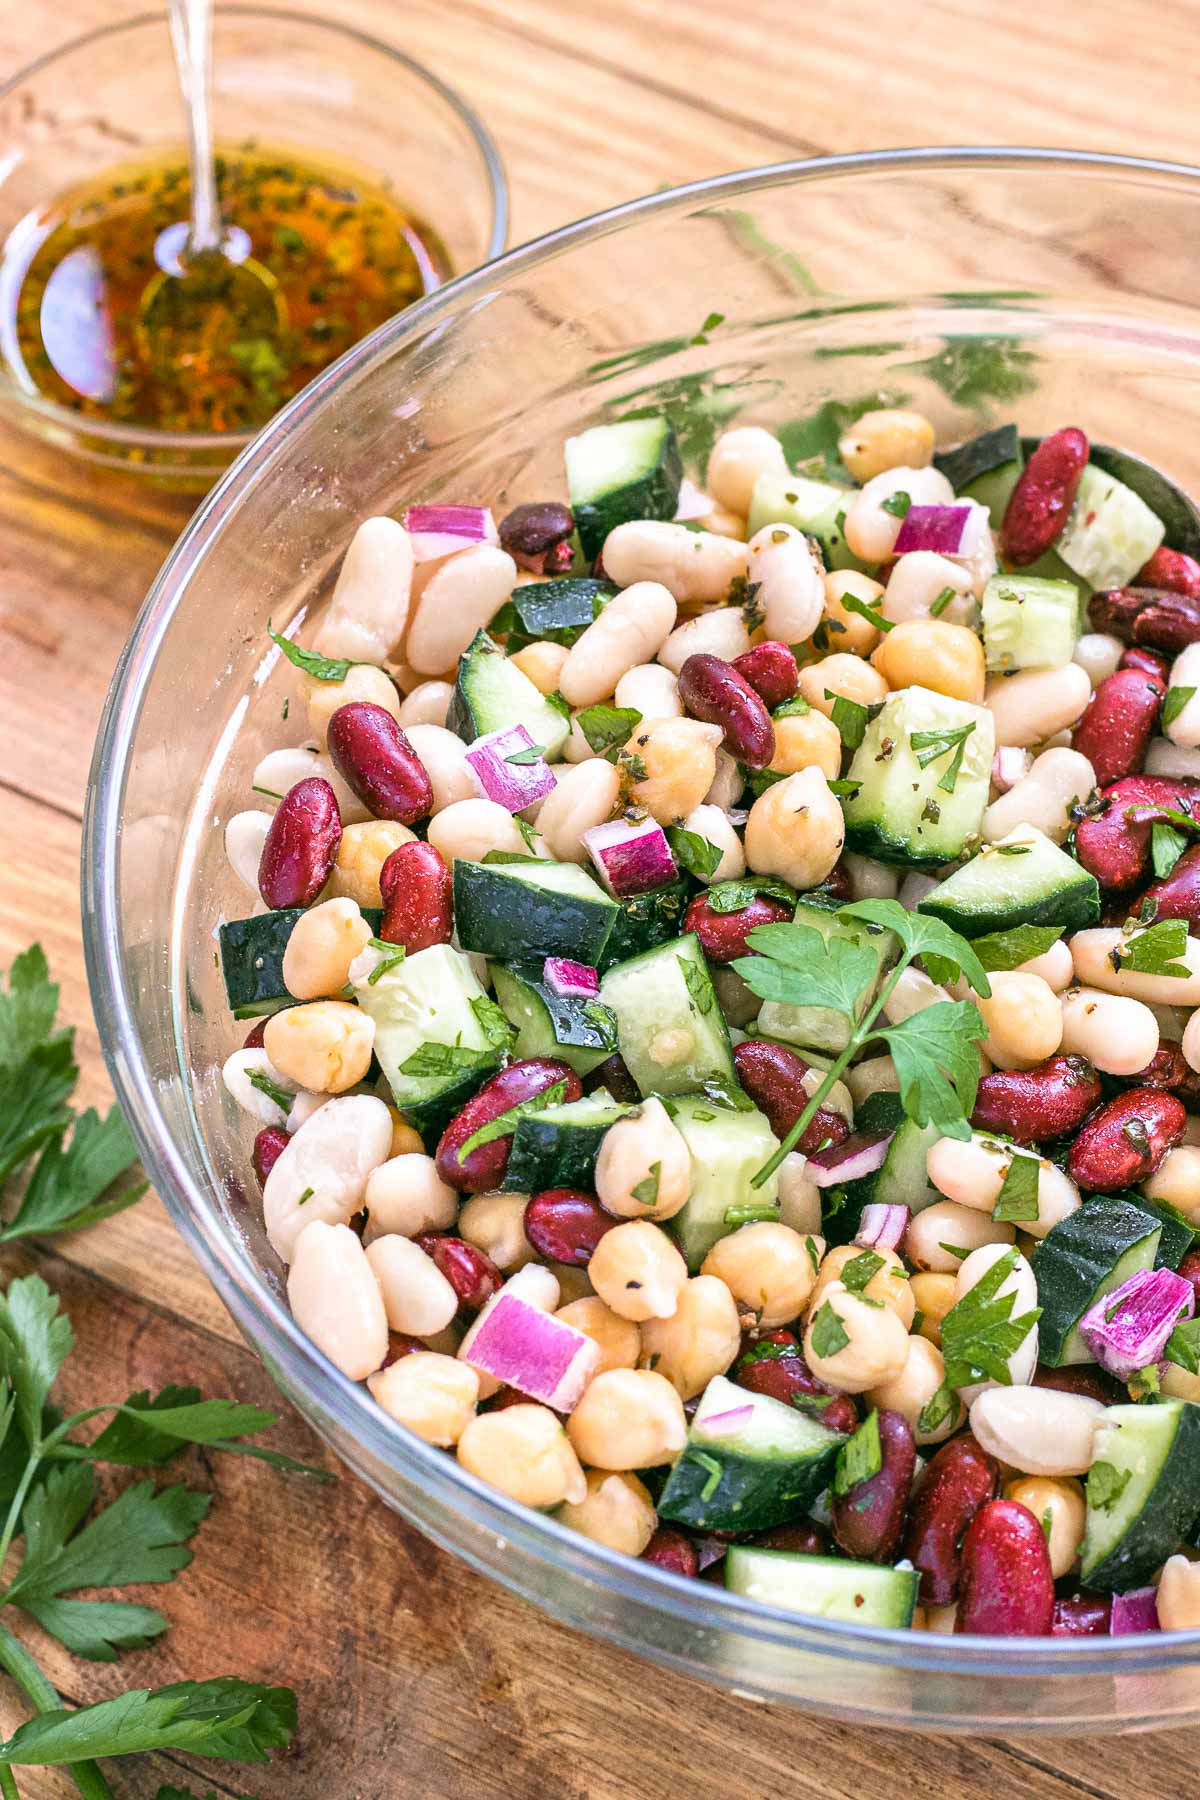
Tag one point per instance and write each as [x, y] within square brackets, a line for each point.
[269, 1145]
[838, 882]
[773, 1076]
[1040, 504]
[960, 1479]
[1118, 723]
[1006, 1588]
[374, 758]
[613, 1075]
[1189, 1268]
[1148, 661]
[473, 1276]
[300, 845]
[1177, 896]
[255, 1035]
[505, 1397]
[723, 935]
[1082, 1615]
[401, 1344]
[1125, 1140]
[711, 689]
[1088, 1379]
[565, 1225]
[484, 1167]
[1035, 1105]
[1153, 616]
[417, 890]
[1114, 846]
[1171, 569]
[1166, 1068]
[771, 670]
[537, 535]
[784, 1375]
[672, 1550]
[868, 1521]
[803, 1537]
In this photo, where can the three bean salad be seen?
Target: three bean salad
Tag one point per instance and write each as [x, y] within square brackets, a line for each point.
[726, 999]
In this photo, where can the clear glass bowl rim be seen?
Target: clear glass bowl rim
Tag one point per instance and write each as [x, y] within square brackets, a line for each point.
[141, 437]
[700, 1607]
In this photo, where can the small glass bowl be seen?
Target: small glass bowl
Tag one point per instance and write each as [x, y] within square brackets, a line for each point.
[284, 78]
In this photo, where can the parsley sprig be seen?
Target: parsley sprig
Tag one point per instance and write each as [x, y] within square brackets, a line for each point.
[934, 1051]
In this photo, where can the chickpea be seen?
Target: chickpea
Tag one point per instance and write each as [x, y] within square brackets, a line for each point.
[724, 524]
[932, 654]
[434, 1395]
[679, 757]
[335, 1299]
[767, 1268]
[405, 1196]
[405, 1141]
[586, 795]
[799, 1197]
[790, 582]
[427, 704]
[795, 830]
[363, 681]
[1179, 1595]
[739, 1006]
[845, 677]
[1176, 1181]
[889, 1285]
[362, 852]
[470, 828]
[324, 1046]
[946, 1222]
[737, 459]
[417, 1297]
[523, 1451]
[933, 1296]
[495, 1224]
[619, 1340]
[943, 1619]
[886, 439]
[650, 690]
[638, 1272]
[871, 530]
[912, 993]
[913, 1388]
[875, 1075]
[691, 565]
[616, 1511]
[698, 1341]
[644, 1167]
[1024, 1020]
[918, 582]
[630, 631]
[1059, 1503]
[719, 632]
[443, 756]
[628, 1419]
[1056, 970]
[851, 631]
[806, 741]
[543, 663]
[573, 1283]
[875, 1346]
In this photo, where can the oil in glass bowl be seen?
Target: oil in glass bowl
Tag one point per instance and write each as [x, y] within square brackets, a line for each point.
[343, 253]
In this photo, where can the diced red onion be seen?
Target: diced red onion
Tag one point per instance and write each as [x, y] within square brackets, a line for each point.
[529, 1349]
[571, 980]
[692, 504]
[882, 1227]
[441, 530]
[630, 858]
[511, 785]
[709, 1550]
[1009, 765]
[725, 1424]
[1136, 1611]
[859, 1154]
[1127, 1329]
[954, 530]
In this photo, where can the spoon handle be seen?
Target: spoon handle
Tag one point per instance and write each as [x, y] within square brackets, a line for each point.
[191, 36]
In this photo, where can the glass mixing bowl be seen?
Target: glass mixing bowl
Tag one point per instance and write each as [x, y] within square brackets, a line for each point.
[984, 285]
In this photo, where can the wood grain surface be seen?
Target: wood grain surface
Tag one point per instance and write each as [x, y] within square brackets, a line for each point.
[417, 1679]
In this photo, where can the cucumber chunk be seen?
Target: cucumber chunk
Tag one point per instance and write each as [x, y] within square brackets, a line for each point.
[558, 611]
[581, 1033]
[534, 909]
[673, 1037]
[559, 1146]
[1111, 532]
[1177, 1235]
[1143, 1492]
[817, 508]
[727, 1148]
[646, 920]
[1023, 879]
[822, 1027]
[1081, 1259]
[491, 694]
[900, 813]
[986, 468]
[1029, 623]
[621, 472]
[823, 1587]
[252, 959]
[764, 1472]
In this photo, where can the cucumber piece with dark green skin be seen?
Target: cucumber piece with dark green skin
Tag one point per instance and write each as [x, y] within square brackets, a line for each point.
[672, 1033]
[491, 694]
[824, 1028]
[531, 909]
[986, 468]
[899, 811]
[646, 920]
[727, 1147]
[631, 470]
[1082, 1258]
[764, 1472]
[823, 1587]
[1143, 1492]
[252, 959]
[1025, 879]
[582, 1033]
[558, 611]
[1177, 1235]
[558, 1147]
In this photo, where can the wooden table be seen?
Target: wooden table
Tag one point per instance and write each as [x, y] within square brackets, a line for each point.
[417, 1678]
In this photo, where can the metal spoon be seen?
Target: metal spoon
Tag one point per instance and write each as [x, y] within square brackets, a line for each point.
[209, 293]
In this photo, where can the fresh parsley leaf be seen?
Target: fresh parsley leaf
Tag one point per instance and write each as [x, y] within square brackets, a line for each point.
[860, 1457]
[829, 1335]
[321, 668]
[796, 965]
[607, 727]
[533, 754]
[633, 768]
[725, 1093]
[71, 1186]
[752, 1213]
[278, 1096]
[1105, 1485]
[940, 1406]
[1174, 701]
[240, 1721]
[937, 1063]
[35, 1340]
[505, 1123]
[922, 935]
[899, 505]
[646, 1190]
[810, 1244]
[33, 1100]
[1156, 951]
[734, 896]
[493, 1022]
[1183, 1346]
[866, 610]
[795, 708]
[1017, 1201]
[445, 1059]
[1003, 950]
[700, 989]
[928, 746]
[850, 717]
[528, 835]
[860, 1270]
[556, 700]
[979, 1334]
[714, 1471]
[28, 1009]
[1167, 845]
[390, 957]
[936, 609]
[696, 854]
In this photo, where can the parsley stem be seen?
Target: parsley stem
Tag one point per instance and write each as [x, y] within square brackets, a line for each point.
[8, 1783]
[16, 1661]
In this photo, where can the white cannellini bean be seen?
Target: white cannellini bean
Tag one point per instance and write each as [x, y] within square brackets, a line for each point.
[876, 1075]
[1092, 952]
[912, 993]
[406, 1195]
[443, 756]
[1191, 1042]
[236, 1071]
[585, 795]
[461, 598]
[1021, 1284]
[727, 783]
[495, 1223]
[719, 632]
[651, 690]
[245, 835]
[1030, 707]
[335, 1298]
[368, 609]
[947, 1222]
[1053, 965]
[280, 770]
[427, 704]
[1099, 655]
[914, 887]
[799, 1196]
[711, 823]
[870, 880]
[324, 1170]
[1119, 1036]
[1184, 729]
[1165, 758]
[971, 1171]
[417, 1297]
[630, 631]
[790, 582]
[691, 565]
[1058, 780]
[1037, 1430]
[920, 578]
[1178, 1596]
[736, 461]
[1177, 1181]
[470, 828]
[871, 532]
